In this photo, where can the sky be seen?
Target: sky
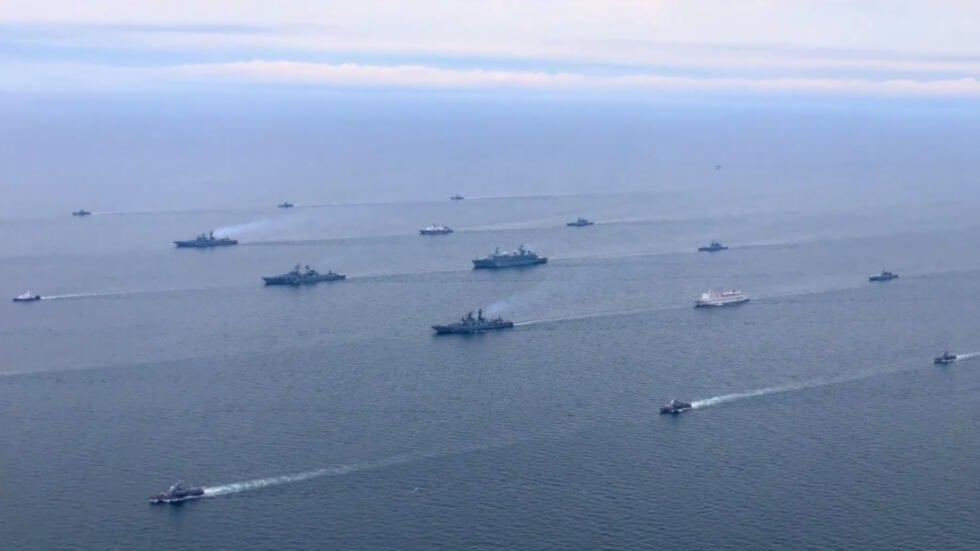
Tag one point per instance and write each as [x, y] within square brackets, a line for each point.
[863, 48]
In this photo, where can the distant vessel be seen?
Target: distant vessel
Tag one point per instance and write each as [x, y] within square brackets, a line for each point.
[713, 247]
[717, 167]
[435, 230]
[285, 205]
[883, 276]
[946, 358]
[27, 297]
[205, 241]
[469, 324]
[82, 212]
[675, 406]
[580, 222]
[307, 277]
[725, 297]
[177, 493]
[509, 259]
[457, 197]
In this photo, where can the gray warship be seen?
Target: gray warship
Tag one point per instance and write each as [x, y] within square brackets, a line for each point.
[580, 223]
[82, 212]
[509, 259]
[307, 276]
[206, 241]
[715, 246]
[177, 493]
[469, 324]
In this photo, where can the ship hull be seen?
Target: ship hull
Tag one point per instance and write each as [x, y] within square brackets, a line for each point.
[486, 264]
[195, 245]
[718, 304]
[28, 299]
[578, 225]
[712, 249]
[468, 330]
[435, 232]
[879, 278]
[293, 282]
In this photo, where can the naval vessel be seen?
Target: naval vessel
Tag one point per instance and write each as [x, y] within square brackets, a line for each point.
[509, 259]
[307, 276]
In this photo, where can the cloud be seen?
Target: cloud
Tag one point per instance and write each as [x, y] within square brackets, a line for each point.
[418, 76]
[753, 46]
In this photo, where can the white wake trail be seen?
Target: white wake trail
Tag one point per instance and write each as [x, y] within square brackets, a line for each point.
[753, 393]
[244, 486]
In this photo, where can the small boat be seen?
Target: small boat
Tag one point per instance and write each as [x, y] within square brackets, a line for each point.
[457, 197]
[713, 247]
[82, 212]
[676, 406]
[581, 222]
[285, 205]
[946, 358]
[724, 297]
[27, 297]
[883, 276]
[435, 229]
[177, 493]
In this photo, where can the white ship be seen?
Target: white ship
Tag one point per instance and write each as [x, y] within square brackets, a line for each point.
[436, 229]
[724, 297]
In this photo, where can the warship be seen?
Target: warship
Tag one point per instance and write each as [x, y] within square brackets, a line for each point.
[205, 241]
[946, 358]
[713, 247]
[883, 276]
[580, 223]
[469, 324]
[435, 229]
[285, 205]
[177, 493]
[27, 297]
[457, 197]
[82, 212]
[726, 297]
[509, 259]
[306, 277]
[674, 407]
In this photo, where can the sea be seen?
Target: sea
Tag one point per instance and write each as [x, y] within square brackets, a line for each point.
[332, 417]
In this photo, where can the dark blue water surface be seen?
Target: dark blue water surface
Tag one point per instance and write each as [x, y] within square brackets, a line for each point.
[330, 417]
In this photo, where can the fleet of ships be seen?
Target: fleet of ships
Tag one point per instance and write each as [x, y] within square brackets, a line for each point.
[468, 324]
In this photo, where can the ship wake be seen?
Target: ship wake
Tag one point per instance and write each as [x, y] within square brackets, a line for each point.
[790, 387]
[259, 483]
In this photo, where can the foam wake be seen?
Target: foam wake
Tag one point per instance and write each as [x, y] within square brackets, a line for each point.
[76, 295]
[812, 383]
[258, 483]
[758, 392]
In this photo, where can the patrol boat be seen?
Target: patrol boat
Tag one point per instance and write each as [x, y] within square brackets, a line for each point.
[883, 276]
[205, 241]
[457, 197]
[27, 297]
[580, 223]
[306, 277]
[713, 247]
[469, 324]
[724, 297]
[509, 259]
[946, 358]
[675, 406]
[285, 205]
[177, 493]
[82, 212]
[435, 229]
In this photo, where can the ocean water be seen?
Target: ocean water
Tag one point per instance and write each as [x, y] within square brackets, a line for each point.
[330, 417]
